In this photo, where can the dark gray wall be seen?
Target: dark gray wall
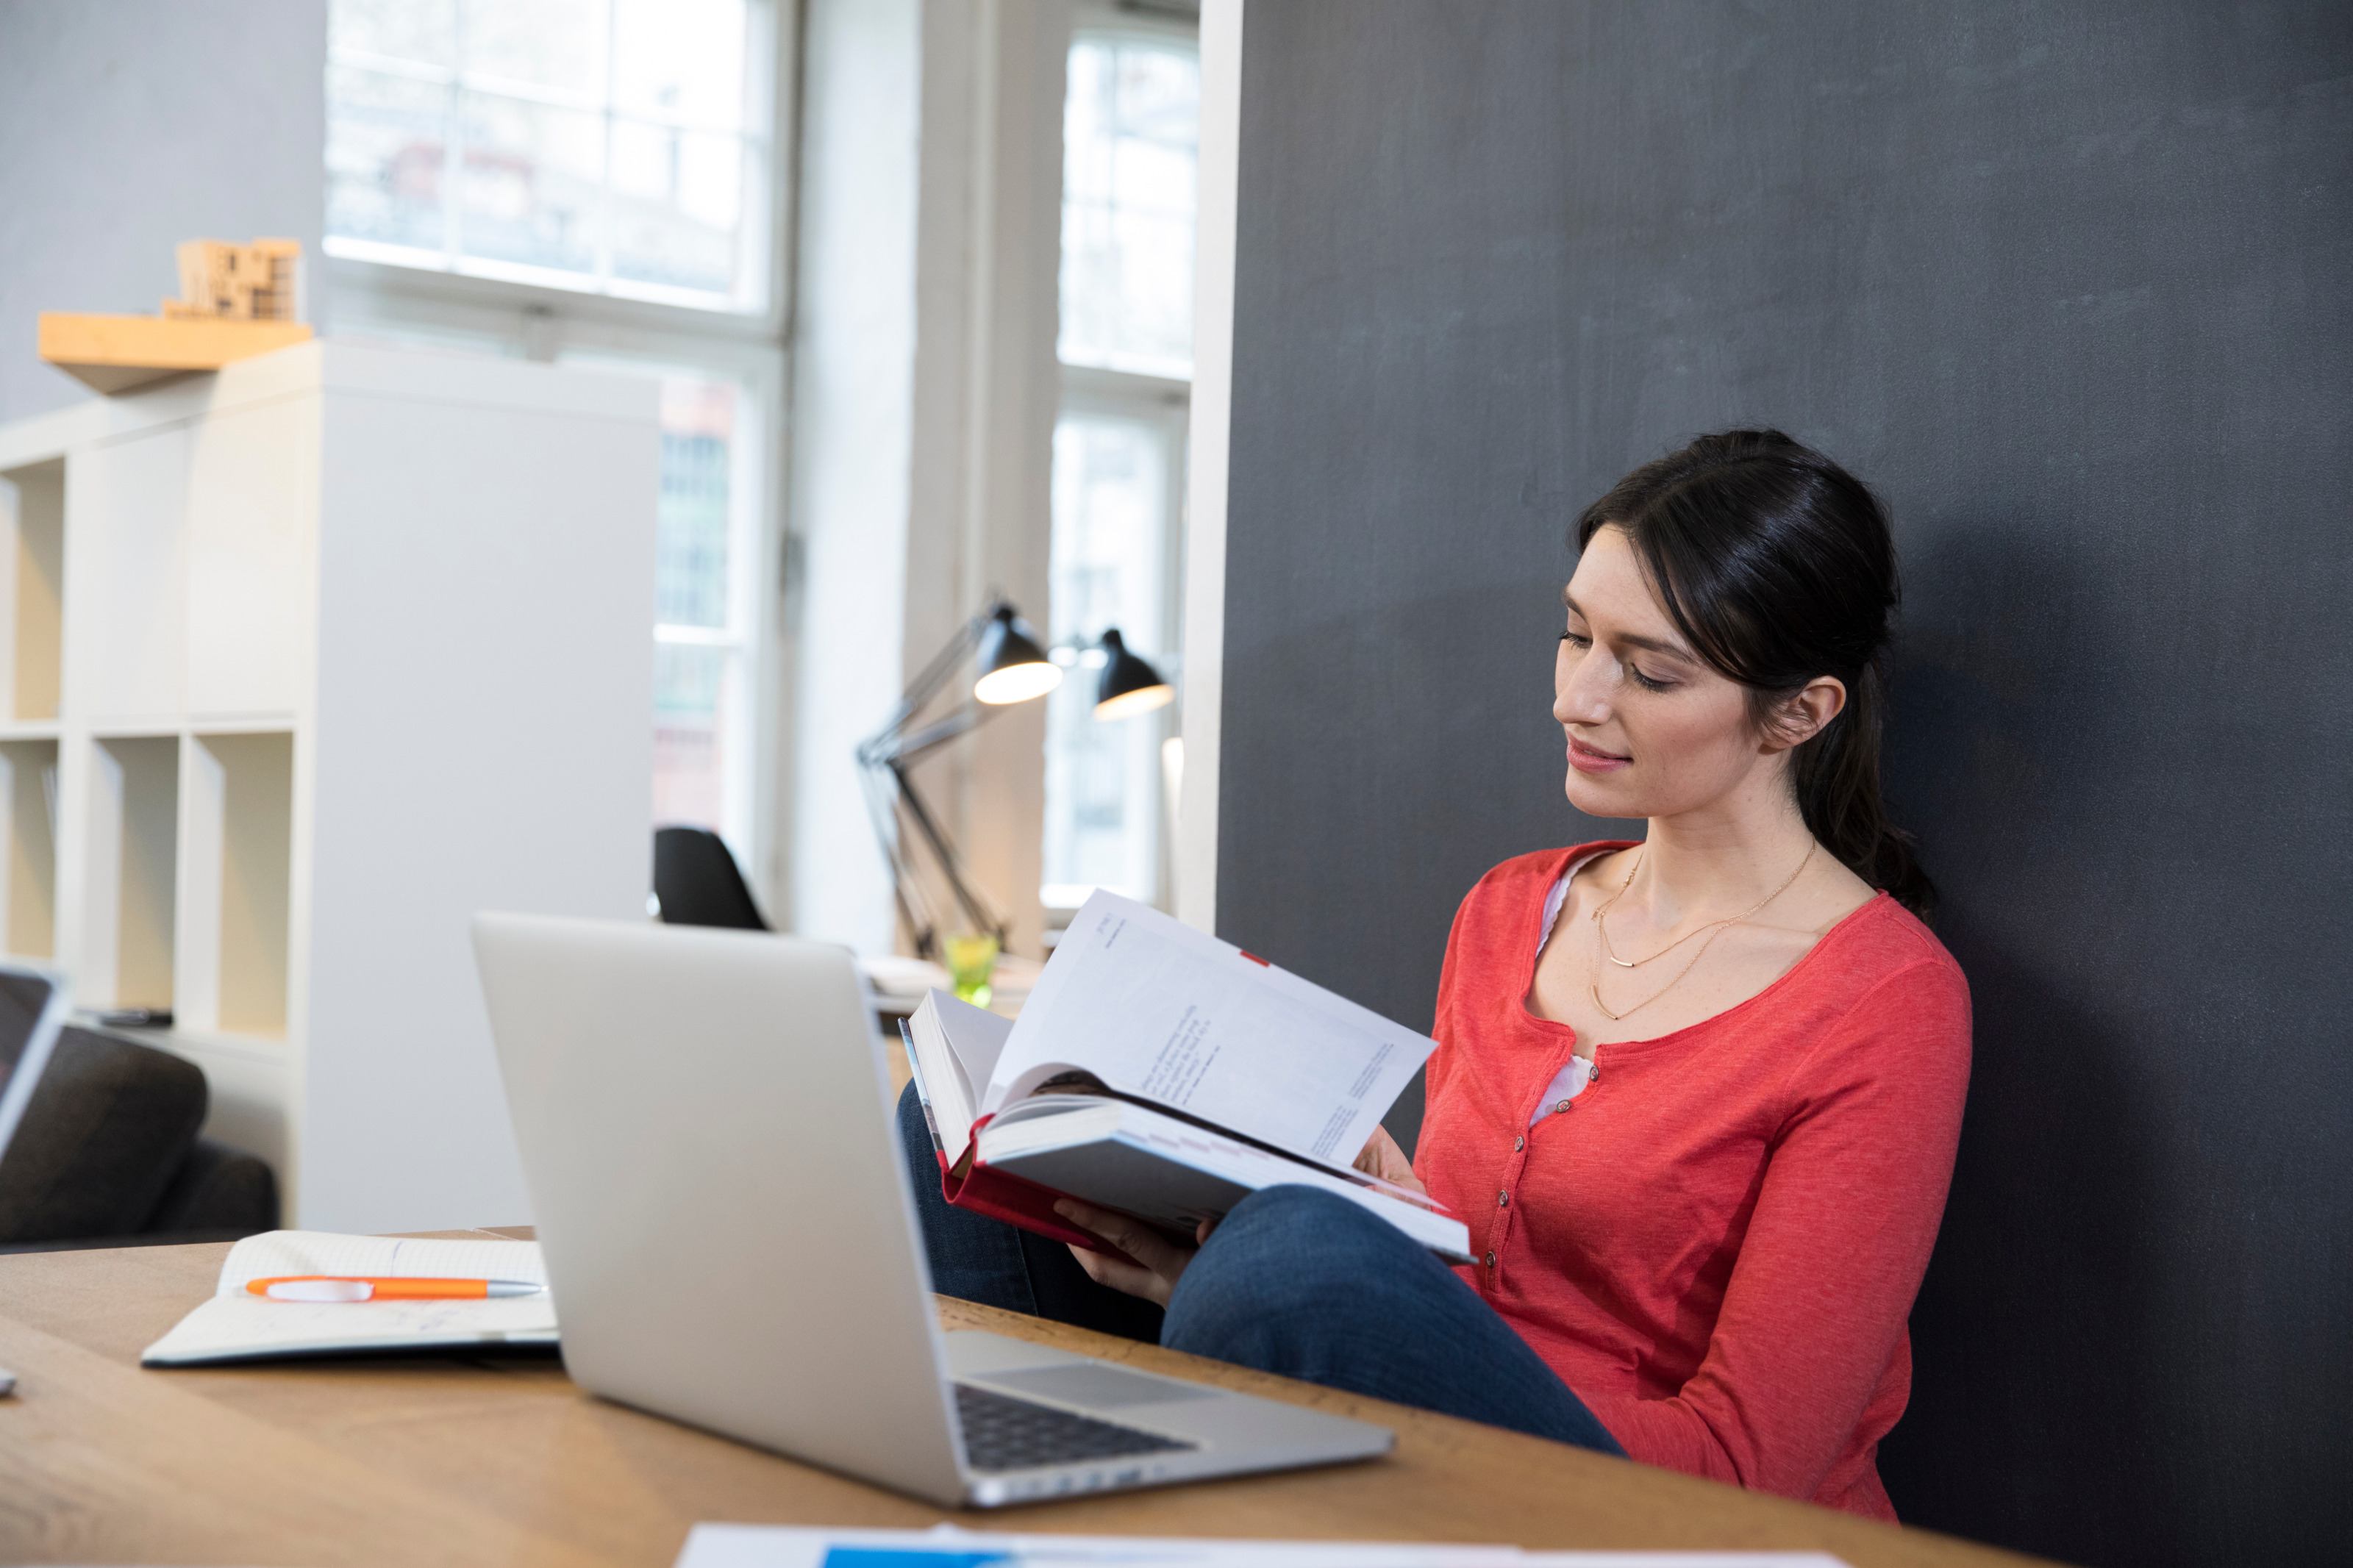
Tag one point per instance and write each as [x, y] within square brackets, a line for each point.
[127, 126]
[2072, 285]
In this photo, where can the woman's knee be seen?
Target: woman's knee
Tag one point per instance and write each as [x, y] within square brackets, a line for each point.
[1287, 1261]
[1299, 1222]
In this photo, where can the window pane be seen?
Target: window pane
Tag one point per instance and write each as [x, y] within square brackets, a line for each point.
[386, 145]
[1111, 489]
[677, 200]
[680, 58]
[702, 718]
[691, 702]
[640, 172]
[1130, 133]
[557, 43]
[422, 31]
[530, 189]
[698, 427]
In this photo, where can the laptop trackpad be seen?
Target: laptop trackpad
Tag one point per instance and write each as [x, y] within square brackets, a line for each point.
[1092, 1385]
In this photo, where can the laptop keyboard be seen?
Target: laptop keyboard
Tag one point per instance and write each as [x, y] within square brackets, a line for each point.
[1006, 1434]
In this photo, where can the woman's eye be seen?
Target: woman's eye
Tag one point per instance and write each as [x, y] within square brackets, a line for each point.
[1576, 639]
[1645, 682]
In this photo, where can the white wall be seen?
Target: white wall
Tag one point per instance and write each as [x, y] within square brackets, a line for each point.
[987, 388]
[923, 397]
[852, 368]
[127, 126]
[1205, 519]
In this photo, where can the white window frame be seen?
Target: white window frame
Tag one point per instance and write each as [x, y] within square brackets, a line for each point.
[1165, 404]
[1162, 406]
[490, 310]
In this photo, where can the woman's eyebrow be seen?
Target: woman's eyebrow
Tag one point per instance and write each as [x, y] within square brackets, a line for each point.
[1657, 644]
[1635, 639]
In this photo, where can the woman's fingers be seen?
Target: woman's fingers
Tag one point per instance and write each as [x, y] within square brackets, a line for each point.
[1132, 1236]
[1382, 1158]
[1125, 1277]
[1163, 1261]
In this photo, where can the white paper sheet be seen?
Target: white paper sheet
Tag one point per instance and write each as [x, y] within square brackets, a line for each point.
[1155, 1009]
[782, 1546]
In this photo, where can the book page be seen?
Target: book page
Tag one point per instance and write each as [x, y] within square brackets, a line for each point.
[235, 1323]
[976, 1037]
[952, 1047]
[1157, 1009]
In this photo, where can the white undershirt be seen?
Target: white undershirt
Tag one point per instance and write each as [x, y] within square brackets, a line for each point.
[1571, 1081]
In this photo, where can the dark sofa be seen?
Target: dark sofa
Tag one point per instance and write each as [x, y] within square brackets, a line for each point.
[110, 1154]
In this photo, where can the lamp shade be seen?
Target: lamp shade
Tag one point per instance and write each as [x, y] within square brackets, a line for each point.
[1013, 668]
[1129, 686]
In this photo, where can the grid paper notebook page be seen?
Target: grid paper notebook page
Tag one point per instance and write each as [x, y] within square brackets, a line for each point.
[236, 1326]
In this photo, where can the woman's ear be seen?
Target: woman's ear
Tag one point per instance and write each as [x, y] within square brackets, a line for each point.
[1799, 717]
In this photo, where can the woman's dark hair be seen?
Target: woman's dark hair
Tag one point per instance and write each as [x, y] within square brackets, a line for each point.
[1778, 566]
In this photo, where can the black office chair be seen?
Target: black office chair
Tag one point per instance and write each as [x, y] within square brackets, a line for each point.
[697, 883]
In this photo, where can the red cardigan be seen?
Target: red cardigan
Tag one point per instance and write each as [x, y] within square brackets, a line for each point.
[1717, 1245]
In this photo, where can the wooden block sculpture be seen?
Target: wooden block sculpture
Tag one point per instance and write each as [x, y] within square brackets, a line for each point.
[241, 282]
[235, 301]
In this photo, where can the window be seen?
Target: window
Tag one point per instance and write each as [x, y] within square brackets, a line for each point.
[606, 146]
[1129, 132]
[703, 610]
[589, 182]
[1117, 478]
[1130, 127]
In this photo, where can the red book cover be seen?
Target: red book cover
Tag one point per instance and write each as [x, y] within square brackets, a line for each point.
[1000, 1196]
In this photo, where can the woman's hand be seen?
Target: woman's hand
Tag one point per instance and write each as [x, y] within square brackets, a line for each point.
[1164, 1261]
[1384, 1159]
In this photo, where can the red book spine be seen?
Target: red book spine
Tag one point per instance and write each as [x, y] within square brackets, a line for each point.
[1001, 1196]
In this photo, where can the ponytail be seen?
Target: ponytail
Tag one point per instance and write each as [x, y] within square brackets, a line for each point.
[1836, 774]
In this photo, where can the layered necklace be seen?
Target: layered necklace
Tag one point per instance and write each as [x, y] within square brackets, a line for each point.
[1714, 930]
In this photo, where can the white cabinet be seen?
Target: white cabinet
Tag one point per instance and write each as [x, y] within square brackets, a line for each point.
[304, 662]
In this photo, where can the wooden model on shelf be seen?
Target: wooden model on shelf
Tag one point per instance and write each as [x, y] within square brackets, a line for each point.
[235, 301]
[240, 282]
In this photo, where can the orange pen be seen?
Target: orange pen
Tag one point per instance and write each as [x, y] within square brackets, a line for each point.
[351, 1288]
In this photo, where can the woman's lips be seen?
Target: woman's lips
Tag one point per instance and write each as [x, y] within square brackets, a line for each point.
[1587, 759]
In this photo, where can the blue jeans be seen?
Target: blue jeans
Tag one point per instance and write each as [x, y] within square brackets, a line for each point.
[1295, 1281]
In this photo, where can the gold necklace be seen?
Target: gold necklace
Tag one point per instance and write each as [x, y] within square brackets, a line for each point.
[1714, 928]
[1609, 951]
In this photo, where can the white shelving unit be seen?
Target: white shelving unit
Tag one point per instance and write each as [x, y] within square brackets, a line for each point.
[303, 662]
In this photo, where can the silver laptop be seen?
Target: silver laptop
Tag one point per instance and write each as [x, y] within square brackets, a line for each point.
[33, 1003]
[715, 1167]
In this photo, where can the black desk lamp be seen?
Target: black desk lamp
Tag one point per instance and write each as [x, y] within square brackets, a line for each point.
[1013, 668]
[1129, 686]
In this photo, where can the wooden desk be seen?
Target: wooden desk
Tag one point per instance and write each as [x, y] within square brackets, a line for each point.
[506, 1462]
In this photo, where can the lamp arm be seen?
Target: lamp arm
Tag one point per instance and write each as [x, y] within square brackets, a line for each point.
[950, 865]
[887, 741]
[885, 749]
[884, 758]
[907, 892]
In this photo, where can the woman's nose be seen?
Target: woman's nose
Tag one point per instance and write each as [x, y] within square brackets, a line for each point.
[1579, 696]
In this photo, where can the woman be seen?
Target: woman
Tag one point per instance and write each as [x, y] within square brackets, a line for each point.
[1696, 1097]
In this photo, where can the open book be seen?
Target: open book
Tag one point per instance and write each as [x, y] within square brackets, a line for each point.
[237, 1325]
[1168, 1075]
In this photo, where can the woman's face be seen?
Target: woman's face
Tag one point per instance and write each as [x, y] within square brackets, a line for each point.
[1652, 730]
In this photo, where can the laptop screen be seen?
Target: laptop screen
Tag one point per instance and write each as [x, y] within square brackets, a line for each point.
[31, 1013]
